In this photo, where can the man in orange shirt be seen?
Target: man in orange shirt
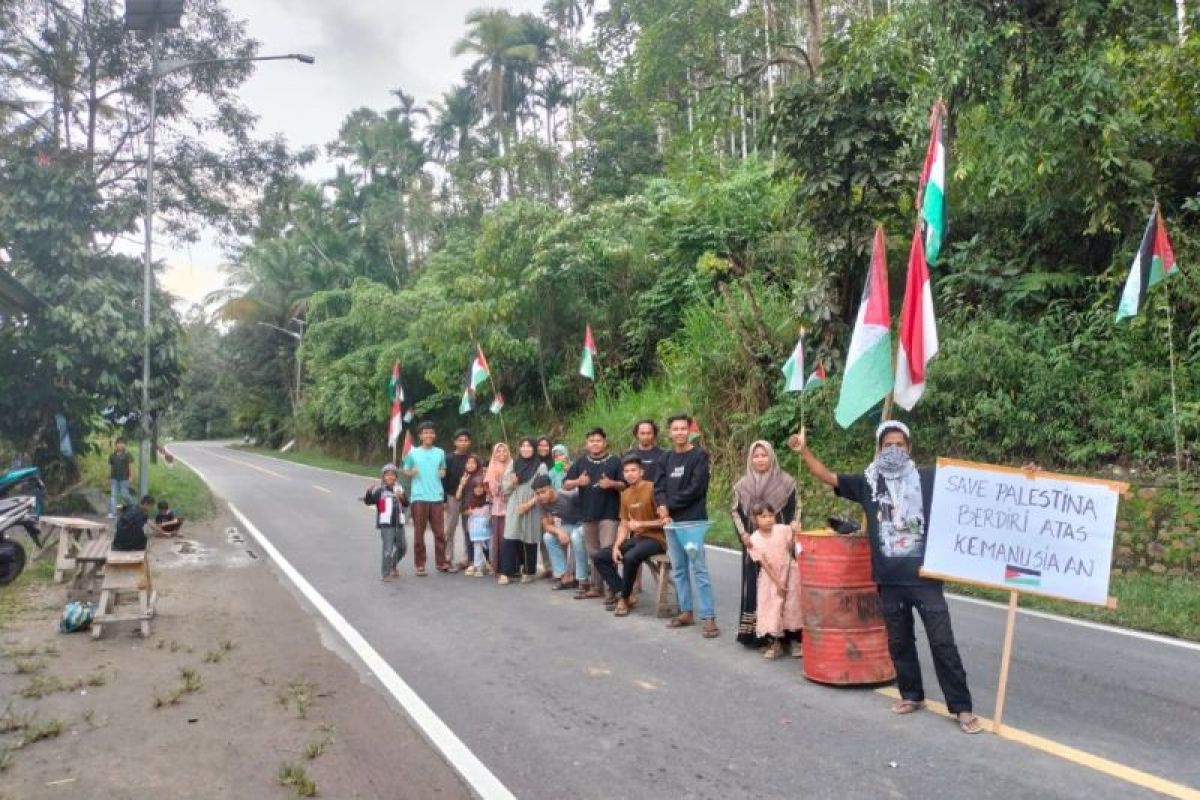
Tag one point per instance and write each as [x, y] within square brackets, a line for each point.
[639, 535]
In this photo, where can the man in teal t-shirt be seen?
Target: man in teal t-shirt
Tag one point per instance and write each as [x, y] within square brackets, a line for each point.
[426, 465]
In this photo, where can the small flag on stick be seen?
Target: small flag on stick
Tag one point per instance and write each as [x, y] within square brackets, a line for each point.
[587, 366]
[408, 445]
[480, 371]
[1154, 262]
[816, 378]
[497, 403]
[693, 430]
[793, 368]
[396, 392]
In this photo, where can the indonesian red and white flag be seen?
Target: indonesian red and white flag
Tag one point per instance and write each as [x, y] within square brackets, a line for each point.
[918, 329]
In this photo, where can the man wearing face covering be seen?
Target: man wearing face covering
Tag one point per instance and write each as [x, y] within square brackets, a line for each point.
[896, 495]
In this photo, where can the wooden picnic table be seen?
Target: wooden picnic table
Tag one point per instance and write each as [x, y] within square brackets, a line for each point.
[71, 535]
[89, 563]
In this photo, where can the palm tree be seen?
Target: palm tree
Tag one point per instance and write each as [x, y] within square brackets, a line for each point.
[497, 38]
[456, 116]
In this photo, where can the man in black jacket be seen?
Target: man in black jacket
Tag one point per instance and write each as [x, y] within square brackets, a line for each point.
[681, 492]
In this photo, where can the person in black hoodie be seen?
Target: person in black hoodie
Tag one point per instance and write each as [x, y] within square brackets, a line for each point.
[131, 526]
[389, 501]
[681, 492]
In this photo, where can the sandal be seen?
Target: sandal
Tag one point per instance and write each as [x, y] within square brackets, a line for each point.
[970, 725]
[710, 629]
[682, 621]
[421, 573]
[907, 706]
[610, 602]
[502, 580]
[622, 609]
[562, 586]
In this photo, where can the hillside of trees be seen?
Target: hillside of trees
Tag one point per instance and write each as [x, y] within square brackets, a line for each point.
[696, 179]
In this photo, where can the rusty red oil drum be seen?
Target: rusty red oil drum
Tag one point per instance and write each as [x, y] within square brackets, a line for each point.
[845, 641]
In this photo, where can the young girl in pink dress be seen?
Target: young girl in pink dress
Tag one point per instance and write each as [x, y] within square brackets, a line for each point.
[779, 614]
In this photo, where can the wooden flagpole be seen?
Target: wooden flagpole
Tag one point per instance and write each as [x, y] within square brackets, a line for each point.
[1006, 660]
[1174, 389]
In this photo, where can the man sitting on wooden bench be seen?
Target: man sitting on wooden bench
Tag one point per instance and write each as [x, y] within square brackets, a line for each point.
[131, 527]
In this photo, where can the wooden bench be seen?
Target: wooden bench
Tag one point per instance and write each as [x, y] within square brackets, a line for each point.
[89, 569]
[126, 575]
[666, 602]
[70, 534]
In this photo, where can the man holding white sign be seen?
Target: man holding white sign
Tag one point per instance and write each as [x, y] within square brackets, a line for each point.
[896, 497]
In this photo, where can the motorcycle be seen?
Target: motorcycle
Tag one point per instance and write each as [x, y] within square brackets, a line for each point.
[16, 513]
[21, 480]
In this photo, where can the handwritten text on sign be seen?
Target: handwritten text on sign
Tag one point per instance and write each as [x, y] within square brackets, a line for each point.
[1047, 534]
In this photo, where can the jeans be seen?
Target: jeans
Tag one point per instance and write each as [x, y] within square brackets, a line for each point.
[682, 569]
[119, 490]
[898, 603]
[558, 553]
[394, 547]
[634, 551]
[431, 514]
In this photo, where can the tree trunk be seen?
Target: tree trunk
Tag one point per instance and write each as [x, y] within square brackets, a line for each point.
[816, 32]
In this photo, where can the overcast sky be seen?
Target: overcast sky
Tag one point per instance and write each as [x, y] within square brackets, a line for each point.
[364, 49]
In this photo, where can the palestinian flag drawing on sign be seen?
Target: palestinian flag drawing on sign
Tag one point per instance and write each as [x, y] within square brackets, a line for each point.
[1154, 262]
[1022, 576]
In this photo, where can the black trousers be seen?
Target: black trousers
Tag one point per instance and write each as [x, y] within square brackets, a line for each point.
[898, 603]
[634, 551]
[516, 556]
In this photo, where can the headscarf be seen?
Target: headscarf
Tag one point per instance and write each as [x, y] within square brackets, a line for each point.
[526, 468]
[772, 487]
[547, 459]
[495, 468]
[389, 467]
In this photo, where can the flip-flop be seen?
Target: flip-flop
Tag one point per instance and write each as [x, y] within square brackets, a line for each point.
[710, 630]
[970, 726]
[907, 706]
[621, 611]
[562, 587]
[680, 622]
[421, 573]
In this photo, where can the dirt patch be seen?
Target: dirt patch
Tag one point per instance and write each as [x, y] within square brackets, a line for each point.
[233, 696]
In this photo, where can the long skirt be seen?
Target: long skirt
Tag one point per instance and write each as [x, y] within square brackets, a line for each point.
[749, 614]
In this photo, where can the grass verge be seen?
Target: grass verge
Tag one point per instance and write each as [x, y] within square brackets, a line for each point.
[14, 598]
[316, 460]
[189, 497]
[1158, 604]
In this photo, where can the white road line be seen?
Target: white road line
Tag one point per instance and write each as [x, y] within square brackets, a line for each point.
[1029, 612]
[297, 463]
[457, 754]
[248, 464]
[322, 489]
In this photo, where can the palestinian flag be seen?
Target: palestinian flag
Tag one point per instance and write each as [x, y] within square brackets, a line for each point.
[918, 329]
[468, 400]
[497, 403]
[793, 368]
[396, 422]
[1155, 260]
[587, 366]
[868, 376]
[408, 445]
[1022, 576]
[816, 378]
[480, 371]
[693, 430]
[933, 181]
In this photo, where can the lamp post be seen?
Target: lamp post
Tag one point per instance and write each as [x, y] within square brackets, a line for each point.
[299, 337]
[156, 16]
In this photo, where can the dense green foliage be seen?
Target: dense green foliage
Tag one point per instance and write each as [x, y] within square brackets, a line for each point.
[74, 94]
[695, 180]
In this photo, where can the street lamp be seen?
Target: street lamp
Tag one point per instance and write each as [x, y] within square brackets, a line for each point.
[299, 337]
[155, 16]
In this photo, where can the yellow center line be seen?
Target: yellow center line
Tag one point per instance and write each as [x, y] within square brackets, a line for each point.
[248, 464]
[1068, 753]
[322, 489]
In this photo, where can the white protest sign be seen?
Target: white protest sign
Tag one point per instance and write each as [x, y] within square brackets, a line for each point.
[1033, 532]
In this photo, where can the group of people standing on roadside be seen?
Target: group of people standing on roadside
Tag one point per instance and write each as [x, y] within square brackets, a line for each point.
[598, 518]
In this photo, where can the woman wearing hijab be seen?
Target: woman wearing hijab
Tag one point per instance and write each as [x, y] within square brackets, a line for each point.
[764, 482]
[523, 520]
[562, 462]
[500, 465]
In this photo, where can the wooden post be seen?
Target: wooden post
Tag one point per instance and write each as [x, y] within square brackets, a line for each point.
[1174, 391]
[1006, 660]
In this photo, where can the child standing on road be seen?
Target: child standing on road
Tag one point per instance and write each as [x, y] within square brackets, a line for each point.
[479, 526]
[389, 501]
[779, 616]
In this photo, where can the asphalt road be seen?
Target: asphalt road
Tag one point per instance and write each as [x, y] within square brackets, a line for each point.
[560, 699]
